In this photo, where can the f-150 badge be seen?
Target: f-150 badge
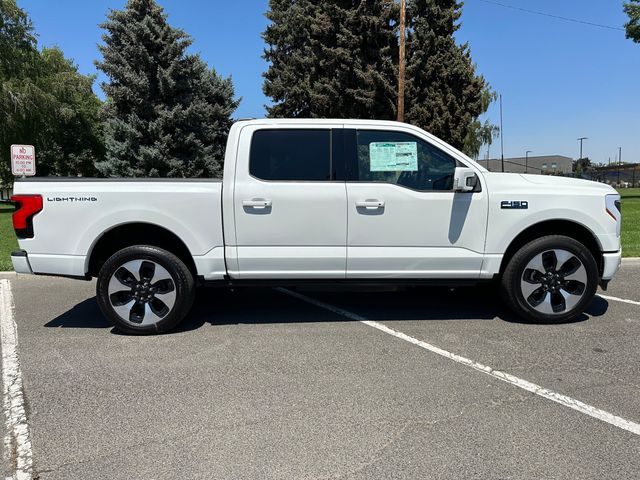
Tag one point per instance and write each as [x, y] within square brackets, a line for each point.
[514, 204]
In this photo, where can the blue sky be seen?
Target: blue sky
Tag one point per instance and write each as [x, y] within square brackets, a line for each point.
[559, 80]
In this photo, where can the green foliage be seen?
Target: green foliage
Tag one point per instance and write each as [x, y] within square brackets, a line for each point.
[339, 58]
[582, 165]
[444, 94]
[632, 9]
[481, 133]
[630, 221]
[335, 58]
[44, 101]
[167, 114]
[8, 241]
[17, 40]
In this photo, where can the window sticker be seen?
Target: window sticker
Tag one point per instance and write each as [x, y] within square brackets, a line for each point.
[393, 157]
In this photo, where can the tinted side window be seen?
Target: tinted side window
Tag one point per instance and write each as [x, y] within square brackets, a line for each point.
[291, 155]
[402, 159]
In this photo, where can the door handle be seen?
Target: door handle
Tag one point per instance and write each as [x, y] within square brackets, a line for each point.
[257, 203]
[370, 204]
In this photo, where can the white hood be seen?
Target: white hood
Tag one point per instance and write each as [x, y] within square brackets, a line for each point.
[540, 183]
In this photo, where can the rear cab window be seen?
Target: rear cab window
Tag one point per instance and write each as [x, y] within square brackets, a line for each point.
[291, 155]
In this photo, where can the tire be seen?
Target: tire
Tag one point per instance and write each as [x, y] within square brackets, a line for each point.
[550, 280]
[136, 306]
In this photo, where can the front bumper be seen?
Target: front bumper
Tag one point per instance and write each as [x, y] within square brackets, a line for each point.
[611, 264]
[20, 262]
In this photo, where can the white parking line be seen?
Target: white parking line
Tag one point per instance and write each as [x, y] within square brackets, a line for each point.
[616, 299]
[503, 376]
[17, 441]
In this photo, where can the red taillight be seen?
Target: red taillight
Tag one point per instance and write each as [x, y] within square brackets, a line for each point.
[27, 206]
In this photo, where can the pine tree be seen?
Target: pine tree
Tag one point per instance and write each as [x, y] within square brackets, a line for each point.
[333, 58]
[167, 114]
[444, 94]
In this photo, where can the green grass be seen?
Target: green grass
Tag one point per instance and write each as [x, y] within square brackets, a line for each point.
[630, 221]
[630, 228]
[8, 241]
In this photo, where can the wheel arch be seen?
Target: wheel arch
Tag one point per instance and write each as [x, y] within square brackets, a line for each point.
[567, 228]
[137, 233]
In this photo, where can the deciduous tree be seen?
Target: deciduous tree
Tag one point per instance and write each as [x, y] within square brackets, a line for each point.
[44, 101]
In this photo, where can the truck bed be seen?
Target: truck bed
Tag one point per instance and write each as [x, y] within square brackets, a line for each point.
[78, 212]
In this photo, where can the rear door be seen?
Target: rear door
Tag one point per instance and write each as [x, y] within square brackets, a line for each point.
[290, 206]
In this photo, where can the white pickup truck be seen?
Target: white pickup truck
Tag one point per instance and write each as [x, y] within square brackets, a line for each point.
[322, 201]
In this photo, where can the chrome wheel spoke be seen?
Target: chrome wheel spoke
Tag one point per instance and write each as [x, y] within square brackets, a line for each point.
[579, 275]
[124, 311]
[169, 298]
[161, 274]
[158, 307]
[545, 305]
[528, 288]
[536, 264]
[570, 300]
[122, 279]
[150, 317]
[562, 257]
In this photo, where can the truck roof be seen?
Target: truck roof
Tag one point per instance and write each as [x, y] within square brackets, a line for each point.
[321, 121]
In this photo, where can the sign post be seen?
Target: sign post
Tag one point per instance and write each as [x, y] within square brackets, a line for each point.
[23, 160]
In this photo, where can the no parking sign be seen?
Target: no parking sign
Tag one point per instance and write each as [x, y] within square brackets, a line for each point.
[23, 160]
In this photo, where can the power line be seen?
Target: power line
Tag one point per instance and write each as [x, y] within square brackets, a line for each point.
[558, 17]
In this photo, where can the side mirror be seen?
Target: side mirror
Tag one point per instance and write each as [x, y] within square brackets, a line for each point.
[464, 179]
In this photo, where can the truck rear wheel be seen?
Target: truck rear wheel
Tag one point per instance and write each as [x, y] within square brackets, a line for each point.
[551, 279]
[145, 289]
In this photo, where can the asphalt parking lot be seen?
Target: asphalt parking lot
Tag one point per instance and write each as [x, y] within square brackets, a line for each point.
[264, 384]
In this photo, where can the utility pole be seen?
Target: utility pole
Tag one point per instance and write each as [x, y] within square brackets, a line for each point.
[501, 135]
[401, 60]
[581, 139]
[619, 164]
[526, 161]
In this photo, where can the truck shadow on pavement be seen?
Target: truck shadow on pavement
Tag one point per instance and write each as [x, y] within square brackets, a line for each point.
[268, 306]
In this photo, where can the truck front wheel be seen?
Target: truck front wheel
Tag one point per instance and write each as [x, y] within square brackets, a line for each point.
[551, 279]
[145, 289]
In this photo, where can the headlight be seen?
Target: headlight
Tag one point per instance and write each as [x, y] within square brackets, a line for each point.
[614, 209]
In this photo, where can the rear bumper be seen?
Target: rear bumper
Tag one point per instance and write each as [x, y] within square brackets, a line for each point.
[20, 262]
[611, 264]
[70, 266]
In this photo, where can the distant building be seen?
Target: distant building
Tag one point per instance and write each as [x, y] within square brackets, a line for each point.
[548, 164]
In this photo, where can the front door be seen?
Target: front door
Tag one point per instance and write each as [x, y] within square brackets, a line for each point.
[404, 219]
[290, 212]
